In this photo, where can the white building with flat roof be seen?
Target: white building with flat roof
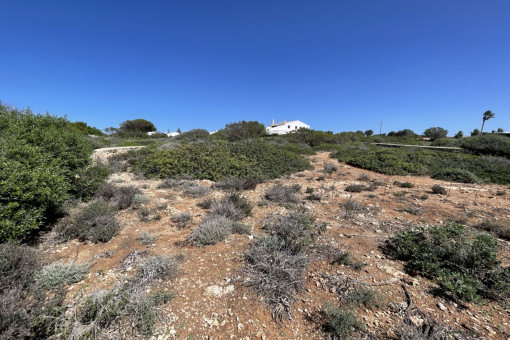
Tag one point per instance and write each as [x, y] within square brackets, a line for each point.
[285, 127]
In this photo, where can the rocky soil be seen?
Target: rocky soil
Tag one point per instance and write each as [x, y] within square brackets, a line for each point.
[211, 301]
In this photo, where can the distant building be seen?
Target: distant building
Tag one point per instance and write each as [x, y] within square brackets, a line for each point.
[285, 127]
[173, 134]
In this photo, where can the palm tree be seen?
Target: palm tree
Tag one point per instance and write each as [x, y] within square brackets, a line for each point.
[486, 116]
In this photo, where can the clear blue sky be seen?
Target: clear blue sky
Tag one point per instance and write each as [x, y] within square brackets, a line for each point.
[340, 65]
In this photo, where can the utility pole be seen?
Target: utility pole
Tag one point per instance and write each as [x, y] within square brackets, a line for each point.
[380, 128]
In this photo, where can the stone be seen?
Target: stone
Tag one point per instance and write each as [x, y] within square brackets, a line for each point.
[441, 306]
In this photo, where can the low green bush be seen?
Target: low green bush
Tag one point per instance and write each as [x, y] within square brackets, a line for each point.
[488, 145]
[43, 163]
[456, 175]
[87, 182]
[464, 264]
[410, 161]
[219, 160]
[438, 190]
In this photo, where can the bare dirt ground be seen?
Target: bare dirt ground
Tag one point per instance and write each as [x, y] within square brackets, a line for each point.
[210, 299]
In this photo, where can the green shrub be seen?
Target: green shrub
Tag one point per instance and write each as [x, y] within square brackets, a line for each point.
[87, 182]
[447, 142]
[405, 161]
[363, 297]
[95, 222]
[212, 161]
[438, 190]
[36, 150]
[456, 175]
[194, 135]
[464, 264]
[270, 160]
[242, 130]
[488, 145]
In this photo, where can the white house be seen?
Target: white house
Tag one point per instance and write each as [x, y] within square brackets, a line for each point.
[285, 127]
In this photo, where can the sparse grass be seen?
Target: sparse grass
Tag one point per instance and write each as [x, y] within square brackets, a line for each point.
[351, 208]
[438, 190]
[364, 178]
[205, 204]
[500, 193]
[340, 323]
[400, 194]
[236, 184]
[344, 258]
[211, 231]
[329, 168]
[95, 222]
[144, 214]
[410, 209]
[500, 229]
[121, 197]
[276, 273]
[275, 264]
[140, 199]
[158, 267]
[238, 228]
[145, 238]
[58, 274]
[309, 190]
[182, 218]
[283, 194]
[233, 206]
[263, 202]
[196, 190]
[18, 263]
[363, 297]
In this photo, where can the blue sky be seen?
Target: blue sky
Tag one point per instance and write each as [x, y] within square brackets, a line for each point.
[339, 65]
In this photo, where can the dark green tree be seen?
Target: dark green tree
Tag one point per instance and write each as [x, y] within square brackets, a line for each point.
[459, 134]
[475, 132]
[486, 116]
[242, 130]
[435, 133]
[136, 127]
[369, 133]
[500, 130]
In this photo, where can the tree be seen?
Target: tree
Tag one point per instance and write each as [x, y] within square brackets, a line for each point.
[475, 132]
[179, 130]
[136, 127]
[459, 134]
[500, 130]
[242, 130]
[435, 133]
[486, 116]
[369, 133]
